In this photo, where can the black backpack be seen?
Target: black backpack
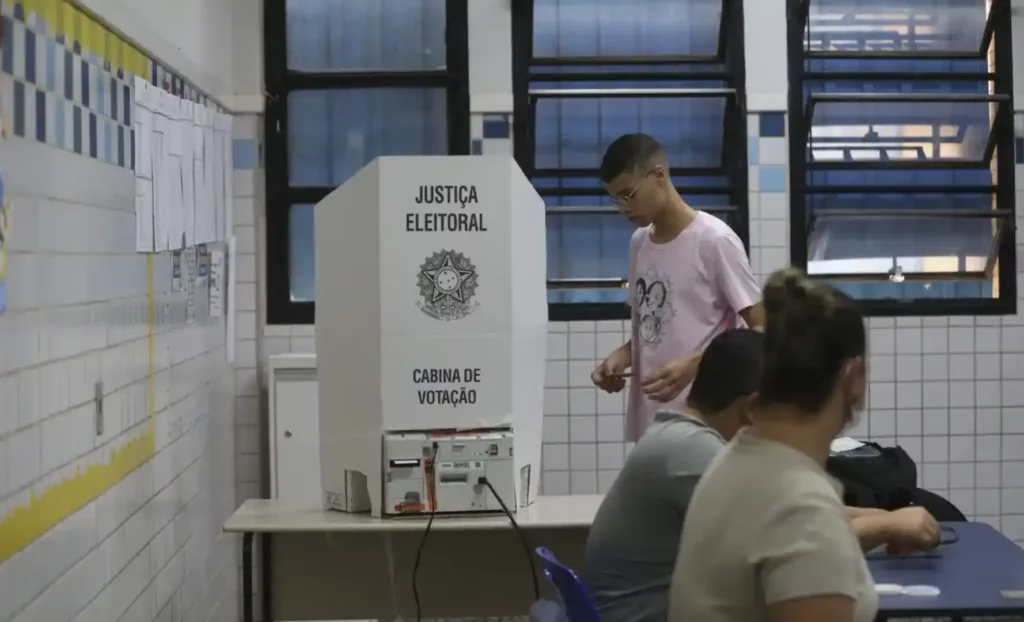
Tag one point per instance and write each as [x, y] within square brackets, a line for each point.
[886, 478]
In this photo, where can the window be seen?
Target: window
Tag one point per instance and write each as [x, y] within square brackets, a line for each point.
[902, 152]
[587, 71]
[348, 82]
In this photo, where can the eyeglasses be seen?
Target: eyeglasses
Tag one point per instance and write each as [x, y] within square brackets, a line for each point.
[625, 199]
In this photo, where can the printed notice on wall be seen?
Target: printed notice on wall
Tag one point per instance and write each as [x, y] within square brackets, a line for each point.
[192, 269]
[177, 283]
[216, 283]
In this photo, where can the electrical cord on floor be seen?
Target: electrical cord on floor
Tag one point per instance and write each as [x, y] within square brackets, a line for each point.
[519, 532]
[431, 490]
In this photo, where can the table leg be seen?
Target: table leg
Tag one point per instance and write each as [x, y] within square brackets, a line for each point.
[266, 578]
[247, 595]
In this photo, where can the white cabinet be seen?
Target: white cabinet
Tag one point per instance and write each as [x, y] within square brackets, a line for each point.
[294, 429]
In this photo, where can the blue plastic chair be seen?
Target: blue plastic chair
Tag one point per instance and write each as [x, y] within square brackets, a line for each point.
[574, 595]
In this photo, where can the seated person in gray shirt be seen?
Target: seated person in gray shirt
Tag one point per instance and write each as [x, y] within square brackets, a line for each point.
[632, 546]
[633, 542]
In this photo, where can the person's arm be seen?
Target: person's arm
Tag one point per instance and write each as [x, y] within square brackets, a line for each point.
[754, 317]
[859, 512]
[873, 530]
[807, 561]
[814, 609]
[735, 280]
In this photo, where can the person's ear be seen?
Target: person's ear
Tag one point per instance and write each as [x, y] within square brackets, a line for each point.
[855, 381]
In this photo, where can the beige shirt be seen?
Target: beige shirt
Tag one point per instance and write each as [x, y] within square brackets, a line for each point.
[766, 525]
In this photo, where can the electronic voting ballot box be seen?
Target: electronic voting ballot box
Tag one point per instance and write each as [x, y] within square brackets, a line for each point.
[431, 330]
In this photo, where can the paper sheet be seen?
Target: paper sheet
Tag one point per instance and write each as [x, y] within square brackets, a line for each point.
[202, 207]
[209, 190]
[216, 283]
[218, 183]
[144, 197]
[187, 172]
[229, 178]
[160, 192]
[169, 112]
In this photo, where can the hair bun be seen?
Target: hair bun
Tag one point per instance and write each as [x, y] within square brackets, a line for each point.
[789, 288]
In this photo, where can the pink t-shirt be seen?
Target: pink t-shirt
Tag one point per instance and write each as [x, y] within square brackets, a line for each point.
[684, 293]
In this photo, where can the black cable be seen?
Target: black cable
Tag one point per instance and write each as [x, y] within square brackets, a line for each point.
[519, 532]
[431, 490]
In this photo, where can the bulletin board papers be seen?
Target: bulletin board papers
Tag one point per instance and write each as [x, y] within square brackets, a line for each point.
[183, 169]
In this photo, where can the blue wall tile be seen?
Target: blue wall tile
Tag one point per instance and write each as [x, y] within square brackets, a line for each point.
[773, 178]
[496, 126]
[245, 154]
[773, 124]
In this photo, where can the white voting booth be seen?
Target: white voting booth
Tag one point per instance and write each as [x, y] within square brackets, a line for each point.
[431, 332]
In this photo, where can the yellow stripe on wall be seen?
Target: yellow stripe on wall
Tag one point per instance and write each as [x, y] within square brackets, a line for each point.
[26, 524]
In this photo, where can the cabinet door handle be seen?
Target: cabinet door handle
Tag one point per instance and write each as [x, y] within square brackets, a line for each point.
[287, 433]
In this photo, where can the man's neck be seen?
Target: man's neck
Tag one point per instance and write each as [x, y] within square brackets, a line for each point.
[694, 411]
[674, 218]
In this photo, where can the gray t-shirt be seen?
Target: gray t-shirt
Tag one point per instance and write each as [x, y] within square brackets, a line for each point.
[767, 526]
[631, 549]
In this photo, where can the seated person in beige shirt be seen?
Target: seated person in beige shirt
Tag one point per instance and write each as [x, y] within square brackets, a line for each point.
[767, 537]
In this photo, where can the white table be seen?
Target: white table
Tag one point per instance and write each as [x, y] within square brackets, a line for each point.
[319, 565]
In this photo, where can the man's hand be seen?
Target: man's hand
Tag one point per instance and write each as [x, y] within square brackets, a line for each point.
[912, 529]
[669, 380]
[609, 374]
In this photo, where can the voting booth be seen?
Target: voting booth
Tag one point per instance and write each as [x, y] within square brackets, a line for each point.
[431, 330]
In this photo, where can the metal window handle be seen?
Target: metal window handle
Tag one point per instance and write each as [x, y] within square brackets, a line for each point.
[287, 433]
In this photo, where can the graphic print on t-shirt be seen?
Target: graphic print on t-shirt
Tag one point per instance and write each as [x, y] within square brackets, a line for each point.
[652, 306]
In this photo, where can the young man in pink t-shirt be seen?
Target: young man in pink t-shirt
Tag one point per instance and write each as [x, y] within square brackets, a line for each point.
[689, 281]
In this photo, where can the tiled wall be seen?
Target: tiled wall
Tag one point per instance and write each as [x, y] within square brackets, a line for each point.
[119, 522]
[949, 390]
[490, 134]
[248, 187]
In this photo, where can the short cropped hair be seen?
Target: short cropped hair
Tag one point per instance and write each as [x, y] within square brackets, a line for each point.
[729, 369]
[811, 331]
[629, 152]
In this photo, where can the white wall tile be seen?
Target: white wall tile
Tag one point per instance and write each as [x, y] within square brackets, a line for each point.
[77, 316]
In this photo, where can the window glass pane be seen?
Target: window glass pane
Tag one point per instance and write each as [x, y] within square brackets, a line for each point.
[896, 25]
[588, 247]
[338, 35]
[333, 134]
[301, 256]
[574, 132]
[920, 245]
[862, 130]
[566, 28]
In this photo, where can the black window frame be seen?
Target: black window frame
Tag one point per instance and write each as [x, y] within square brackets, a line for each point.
[730, 55]
[997, 33]
[280, 81]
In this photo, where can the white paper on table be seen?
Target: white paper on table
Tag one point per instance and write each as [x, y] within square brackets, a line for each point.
[216, 283]
[187, 164]
[230, 328]
[844, 444]
[143, 215]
